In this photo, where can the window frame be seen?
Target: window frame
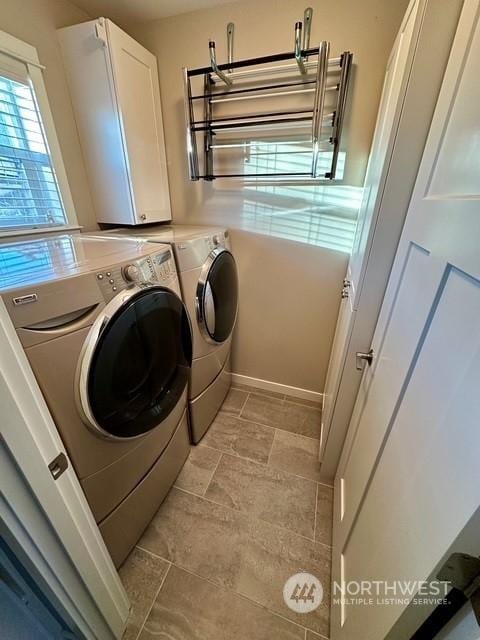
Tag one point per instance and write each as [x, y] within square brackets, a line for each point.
[27, 54]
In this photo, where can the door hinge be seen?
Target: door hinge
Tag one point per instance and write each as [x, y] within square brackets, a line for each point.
[462, 571]
[58, 465]
[100, 31]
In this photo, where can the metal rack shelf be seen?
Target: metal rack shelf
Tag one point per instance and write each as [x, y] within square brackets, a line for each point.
[317, 105]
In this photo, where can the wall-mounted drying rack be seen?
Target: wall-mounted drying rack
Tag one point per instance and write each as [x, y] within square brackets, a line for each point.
[306, 105]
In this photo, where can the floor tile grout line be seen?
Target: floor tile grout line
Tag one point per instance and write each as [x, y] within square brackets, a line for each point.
[320, 635]
[156, 595]
[241, 595]
[264, 393]
[200, 445]
[269, 426]
[271, 449]
[283, 397]
[249, 599]
[266, 464]
[213, 473]
[263, 464]
[299, 403]
[223, 587]
[263, 424]
[324, 484]
[239, 417]
[155, 555]
[249, 515]
[176, 486]
[288, 431]
[152, 553]
[203, 446]
[243, 405]
[298, 435]
[315, 519]
[237, 455]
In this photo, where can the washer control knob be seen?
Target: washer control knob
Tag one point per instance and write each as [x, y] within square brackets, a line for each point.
[131, 272]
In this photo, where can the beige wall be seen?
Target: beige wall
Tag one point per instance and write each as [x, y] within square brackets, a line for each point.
[290, 292]
[288, 308]
[35, 22]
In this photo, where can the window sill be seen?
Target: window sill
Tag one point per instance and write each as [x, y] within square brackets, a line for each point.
[20, 234]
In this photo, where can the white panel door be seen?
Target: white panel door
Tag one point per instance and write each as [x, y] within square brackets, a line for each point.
[136, 78]
[383, 139]
[409, 477]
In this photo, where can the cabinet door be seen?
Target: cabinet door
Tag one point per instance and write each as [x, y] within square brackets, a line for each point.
[136, 83]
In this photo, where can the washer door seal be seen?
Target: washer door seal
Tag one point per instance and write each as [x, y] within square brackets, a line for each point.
[217, 296]
[136, 363]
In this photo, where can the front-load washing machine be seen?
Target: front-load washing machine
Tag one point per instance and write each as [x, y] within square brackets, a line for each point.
[209, 282]
[109, 340]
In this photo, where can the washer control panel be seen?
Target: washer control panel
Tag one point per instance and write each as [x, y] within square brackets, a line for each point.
[157, 268]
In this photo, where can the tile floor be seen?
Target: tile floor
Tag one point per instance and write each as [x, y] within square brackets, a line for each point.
[247, 511]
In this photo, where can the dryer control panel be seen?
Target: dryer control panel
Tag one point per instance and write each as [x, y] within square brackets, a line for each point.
[156, 268]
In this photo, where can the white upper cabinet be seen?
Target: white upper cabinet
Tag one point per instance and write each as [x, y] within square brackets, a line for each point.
[114, 86]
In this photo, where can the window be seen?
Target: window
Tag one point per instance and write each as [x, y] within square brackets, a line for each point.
[29, 195]
[33, 188]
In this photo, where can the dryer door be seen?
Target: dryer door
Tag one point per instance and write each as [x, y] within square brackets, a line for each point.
[136, 363]
[217, 296]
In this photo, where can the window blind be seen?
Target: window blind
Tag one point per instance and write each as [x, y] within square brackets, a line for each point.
[29, 193]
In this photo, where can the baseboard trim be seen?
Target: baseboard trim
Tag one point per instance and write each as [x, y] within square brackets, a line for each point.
[267, 385]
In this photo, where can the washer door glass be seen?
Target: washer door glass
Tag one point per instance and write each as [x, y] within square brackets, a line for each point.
[141, 364]
[218, 298]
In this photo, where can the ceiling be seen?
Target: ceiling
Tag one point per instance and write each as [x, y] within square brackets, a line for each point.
[143, 10]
